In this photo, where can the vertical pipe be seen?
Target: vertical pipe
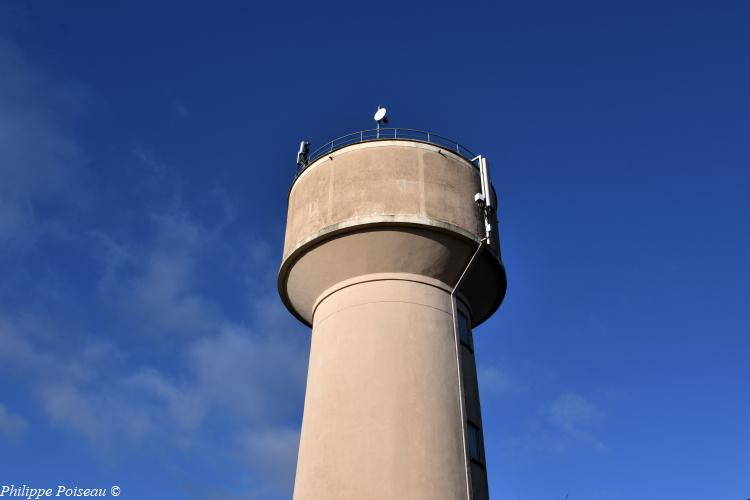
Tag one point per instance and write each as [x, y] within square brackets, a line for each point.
[454, 309]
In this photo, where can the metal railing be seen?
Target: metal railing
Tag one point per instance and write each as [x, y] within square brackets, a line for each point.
[387, 134]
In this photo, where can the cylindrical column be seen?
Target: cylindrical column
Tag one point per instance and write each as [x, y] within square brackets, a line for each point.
[383, 406]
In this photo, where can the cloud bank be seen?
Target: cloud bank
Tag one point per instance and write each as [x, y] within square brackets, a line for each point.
[153, 337]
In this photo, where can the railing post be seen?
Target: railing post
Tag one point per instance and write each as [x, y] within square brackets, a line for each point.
[428, 137]
[361, 132]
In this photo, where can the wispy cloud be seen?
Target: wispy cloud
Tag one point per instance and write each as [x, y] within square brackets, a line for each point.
[246, 379]
[180, 110]
[39, 158]
[575, 417]
[497, 382]
[258, 376]
[274, 452]
[568, 422]
[163, 289]
[187, 352]
[244, 376]
[156, 281]
[11, 425]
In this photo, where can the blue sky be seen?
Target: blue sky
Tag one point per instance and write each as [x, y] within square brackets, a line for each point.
[146, 151]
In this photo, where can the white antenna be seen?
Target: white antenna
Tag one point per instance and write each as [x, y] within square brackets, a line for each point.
[484, 172]
[484, 199]
[304, 150]
[381, 116]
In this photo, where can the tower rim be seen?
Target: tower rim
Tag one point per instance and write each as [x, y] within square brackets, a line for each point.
[357, 225]
[460, 152]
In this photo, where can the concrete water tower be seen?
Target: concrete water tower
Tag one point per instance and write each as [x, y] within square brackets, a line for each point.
[391, 255]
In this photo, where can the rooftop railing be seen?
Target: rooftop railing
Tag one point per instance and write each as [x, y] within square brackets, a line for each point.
[388, 134]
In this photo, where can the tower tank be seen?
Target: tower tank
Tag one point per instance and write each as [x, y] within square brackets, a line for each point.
[392, 262]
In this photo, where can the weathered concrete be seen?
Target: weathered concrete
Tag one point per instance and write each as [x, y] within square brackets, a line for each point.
[382, 417]
[377, 237]
[417, 190]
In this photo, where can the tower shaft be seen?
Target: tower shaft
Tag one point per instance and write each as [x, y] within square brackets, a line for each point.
[382, 395]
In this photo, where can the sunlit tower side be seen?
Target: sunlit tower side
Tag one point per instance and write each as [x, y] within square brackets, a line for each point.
[392, 256]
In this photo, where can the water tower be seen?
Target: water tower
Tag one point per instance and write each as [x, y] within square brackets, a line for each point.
[392, 257]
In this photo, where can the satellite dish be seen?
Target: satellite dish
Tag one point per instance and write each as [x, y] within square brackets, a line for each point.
[380, 115]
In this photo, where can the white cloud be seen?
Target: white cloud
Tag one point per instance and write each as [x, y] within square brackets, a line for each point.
[185, 409]
[497, 382]
[99, 414]
[274, 452]
[258, 376]
[38, 157]
[14, 347]
[575, 417]
[245, 381]
[180, 110]
[244, 375]
[156, 281]
[11, 425]
[78, 390]
[246, 378]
